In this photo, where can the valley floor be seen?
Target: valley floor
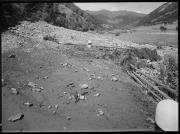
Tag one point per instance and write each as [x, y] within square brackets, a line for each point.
[60, 70]
[124, 106]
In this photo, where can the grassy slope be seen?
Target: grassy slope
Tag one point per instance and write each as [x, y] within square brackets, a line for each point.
[152, 35]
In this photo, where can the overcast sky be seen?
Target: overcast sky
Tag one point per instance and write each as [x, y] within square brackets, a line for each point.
[140, 7]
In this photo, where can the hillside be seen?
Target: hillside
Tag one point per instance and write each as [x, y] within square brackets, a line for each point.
[117, 19]
[167, 13]
[64, 14]
[112, 14]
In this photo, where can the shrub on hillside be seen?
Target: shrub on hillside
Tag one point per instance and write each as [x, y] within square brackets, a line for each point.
[117, 34]
[91, 28]
[169, 71]
[141, 64]
[50, 38]
[85, 29]
[126, 60]
[129, 56]
[159, 47]
[144, 53]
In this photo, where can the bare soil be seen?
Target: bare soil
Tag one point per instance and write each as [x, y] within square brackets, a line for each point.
[124, 105]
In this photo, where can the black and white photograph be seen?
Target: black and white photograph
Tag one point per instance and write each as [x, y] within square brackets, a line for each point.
[89, 66]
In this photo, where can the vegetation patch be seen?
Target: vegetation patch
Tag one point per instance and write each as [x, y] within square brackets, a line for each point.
[124, 57]
[169, 71]
[51, 38]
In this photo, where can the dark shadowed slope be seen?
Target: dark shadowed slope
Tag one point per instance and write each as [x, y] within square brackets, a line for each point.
[65, 14]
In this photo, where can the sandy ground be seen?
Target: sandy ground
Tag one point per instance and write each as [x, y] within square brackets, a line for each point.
[125, 107]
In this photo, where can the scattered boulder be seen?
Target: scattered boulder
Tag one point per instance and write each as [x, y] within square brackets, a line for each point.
[31, 84]
[99, 78]
[65, 64]
[92, 76]
[54, 112]
[16, 117]
[84, 92]
[75, 70]
[68, 118]
[100, 112]
[98, 94]
[150, 120]
[81, 97]
[12, 56]
[71, 84]
[85, 69]
[89, 44]
[70, 97]
[28, 104]
[45, 77]
[3, 82]
[56, 106]
[41, 88]
[84, 86]
[49, 107]
[36, 89]
[14, 91]
[114, 79]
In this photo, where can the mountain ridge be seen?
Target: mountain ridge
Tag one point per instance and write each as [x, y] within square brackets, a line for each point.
[117, 19]
[166, 13]
[115, 13]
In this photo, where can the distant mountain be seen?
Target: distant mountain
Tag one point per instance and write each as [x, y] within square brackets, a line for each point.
[65, 15]
[166, 13]
[117, 19]
[112, 14]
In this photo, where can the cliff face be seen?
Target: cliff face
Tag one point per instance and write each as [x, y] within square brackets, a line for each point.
[60, 14]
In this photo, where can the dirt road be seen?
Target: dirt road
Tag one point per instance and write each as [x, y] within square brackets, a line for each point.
[60, 71]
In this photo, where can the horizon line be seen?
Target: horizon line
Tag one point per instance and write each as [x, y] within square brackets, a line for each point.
[114, 11]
